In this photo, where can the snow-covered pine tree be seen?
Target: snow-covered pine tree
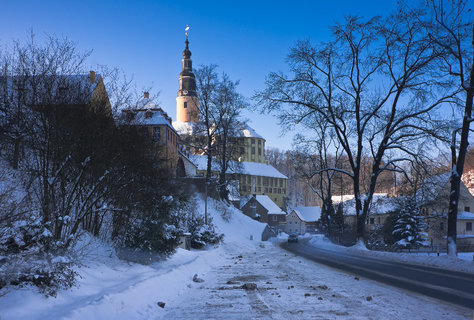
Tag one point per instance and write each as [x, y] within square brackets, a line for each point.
[409, 228]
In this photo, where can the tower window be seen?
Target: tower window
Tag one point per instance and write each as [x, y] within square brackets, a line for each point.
[468, 226]
[185, 104]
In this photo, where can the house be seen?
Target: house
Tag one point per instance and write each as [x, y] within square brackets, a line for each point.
[465, 232]
[262, 208]
[155, 125]
[379, 210]
[302, 220]
[434, 199]
[77, 103]
[248, 165]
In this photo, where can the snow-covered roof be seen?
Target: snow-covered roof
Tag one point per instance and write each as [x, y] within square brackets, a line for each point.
[432, 187]
[268, 204]
[249, 132]
[189, 128]
[381, 204]
[245, 167]
[193, 128]
[308, 214]
[147, 113]
[146, 103]
[464, 215]
[261, 169]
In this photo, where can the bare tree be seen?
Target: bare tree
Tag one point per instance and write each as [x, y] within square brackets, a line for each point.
[229, 105]
[452, 32]
[207, 82]
[374, 85]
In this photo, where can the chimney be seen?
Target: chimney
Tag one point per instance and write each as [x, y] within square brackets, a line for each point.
[92, 76]
[146, 95]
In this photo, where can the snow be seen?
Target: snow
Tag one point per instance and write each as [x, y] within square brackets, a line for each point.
[381, 204]
[268, 204]
[464, 215]
[189, 128]
[249, 132]
[308, 214]
[462, 263]
[289, 287]
[245, 167]
[149, 117]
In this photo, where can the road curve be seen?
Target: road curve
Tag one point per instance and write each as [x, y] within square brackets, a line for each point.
[450, 286]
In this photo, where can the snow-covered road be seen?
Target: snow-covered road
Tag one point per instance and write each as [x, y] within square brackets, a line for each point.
[290, 287]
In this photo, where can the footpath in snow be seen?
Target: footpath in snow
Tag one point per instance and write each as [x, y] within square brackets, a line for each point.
[280, 285]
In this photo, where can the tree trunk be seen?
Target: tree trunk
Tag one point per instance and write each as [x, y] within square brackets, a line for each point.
[458, 167]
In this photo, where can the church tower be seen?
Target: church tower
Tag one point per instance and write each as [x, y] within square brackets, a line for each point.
[187, 104]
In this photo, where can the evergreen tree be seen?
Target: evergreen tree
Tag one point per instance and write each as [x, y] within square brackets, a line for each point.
[408, 229]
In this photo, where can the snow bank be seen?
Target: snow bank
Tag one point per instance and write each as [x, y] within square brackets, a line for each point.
[433, 260]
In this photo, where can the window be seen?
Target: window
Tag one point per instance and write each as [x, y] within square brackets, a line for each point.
[259, 189]
[269, 190]
[258, 180]
[281, 183]
[266, 190]
[253, 207]
[372, 220]
[253, 141]
[274, 217]
[259, 142]
[253, 150]
[242, 150]
[378, 220]
[468, 226]
[468, 209]
[156, 133]
[185, 105]
[259, 151]
[441, 226]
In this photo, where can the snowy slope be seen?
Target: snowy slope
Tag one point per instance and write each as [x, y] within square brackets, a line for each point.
[113, 289]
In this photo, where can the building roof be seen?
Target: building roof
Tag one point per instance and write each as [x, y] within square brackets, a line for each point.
[189, 128]
[194, 128]
[381, 204]
[308, 214]
[245, 167]
[147, 113]
[260, 169]
[248, 132]
[464, 215]
[432, 187]
[268, 204]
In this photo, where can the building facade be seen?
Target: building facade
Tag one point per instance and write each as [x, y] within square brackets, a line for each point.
[155, 126]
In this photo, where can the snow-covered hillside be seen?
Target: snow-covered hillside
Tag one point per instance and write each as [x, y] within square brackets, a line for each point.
[109, 288]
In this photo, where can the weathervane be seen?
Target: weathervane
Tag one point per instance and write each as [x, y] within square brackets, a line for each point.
[187, 31]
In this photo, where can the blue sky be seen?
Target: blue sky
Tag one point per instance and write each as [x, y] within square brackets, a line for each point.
[247, 39]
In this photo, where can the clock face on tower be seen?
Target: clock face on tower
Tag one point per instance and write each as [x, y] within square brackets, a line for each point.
[185, 91]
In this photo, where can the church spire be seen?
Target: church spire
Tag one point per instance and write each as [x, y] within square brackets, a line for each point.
[187, 107]
[187, 80]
